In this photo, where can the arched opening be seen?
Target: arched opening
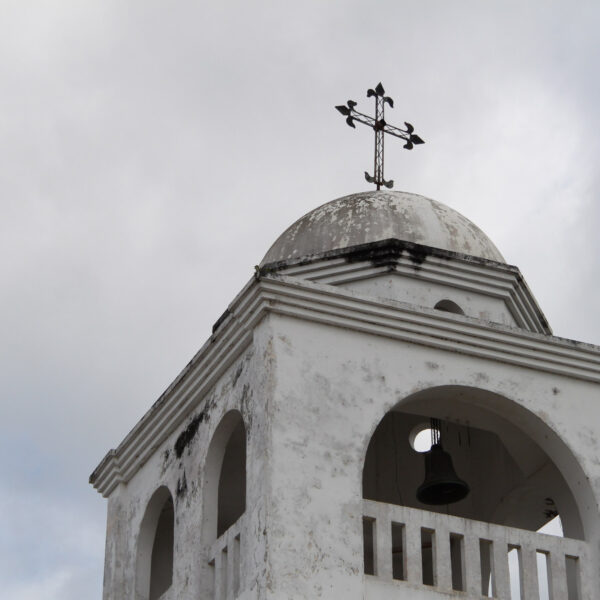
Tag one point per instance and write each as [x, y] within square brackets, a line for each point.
[154, 568]
[513, 479]
[225, 477]
[224, 502]
[449, 306]
[521, 476]
[232, 480]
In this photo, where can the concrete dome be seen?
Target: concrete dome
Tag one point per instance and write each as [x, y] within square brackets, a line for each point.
[380, 215]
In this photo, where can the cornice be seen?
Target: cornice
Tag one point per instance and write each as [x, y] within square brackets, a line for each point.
[431, 327]
[192, 383]
[416, 261]
[335, 306]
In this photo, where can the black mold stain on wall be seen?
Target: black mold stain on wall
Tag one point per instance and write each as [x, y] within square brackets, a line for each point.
[188, 434]
[181, 486]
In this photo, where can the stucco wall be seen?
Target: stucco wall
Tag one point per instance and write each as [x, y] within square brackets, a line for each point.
[424, 293]
[334, 386]
[311, 396]
[245, 387]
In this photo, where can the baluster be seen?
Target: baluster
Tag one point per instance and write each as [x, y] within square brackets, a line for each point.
[529, 581]
[472, 566]
[223, 574]
[557, 576]
[443, 564]
[218, 574]
[236, 565]
[413, 553]
[500, 570]
[573, 566]
[230, 565]
[383, 541]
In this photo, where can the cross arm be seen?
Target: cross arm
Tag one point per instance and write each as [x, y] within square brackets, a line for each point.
[406, 134]
[352, 115]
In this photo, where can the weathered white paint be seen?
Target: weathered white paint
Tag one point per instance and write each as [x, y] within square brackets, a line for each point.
[375, 216]
[336, 388]
[244, 387]
[485, 289]
[313, 357]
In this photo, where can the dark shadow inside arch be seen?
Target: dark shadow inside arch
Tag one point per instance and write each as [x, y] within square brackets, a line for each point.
[154, 565]
[224, 477]
[162, 552]
[449, 306]
[224, 496]
[232, 480]
[520, 473]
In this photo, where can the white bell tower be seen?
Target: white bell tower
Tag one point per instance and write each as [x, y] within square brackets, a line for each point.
[284, 461]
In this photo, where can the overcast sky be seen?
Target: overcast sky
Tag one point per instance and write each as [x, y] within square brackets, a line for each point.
[150, 153]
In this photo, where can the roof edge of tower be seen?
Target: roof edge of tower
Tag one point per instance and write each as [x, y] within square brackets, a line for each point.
[316, 302]
[378, 252]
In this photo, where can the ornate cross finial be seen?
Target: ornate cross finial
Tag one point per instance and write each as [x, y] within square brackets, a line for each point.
[380, 127]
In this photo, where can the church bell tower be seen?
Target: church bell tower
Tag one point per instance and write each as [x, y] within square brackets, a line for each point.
[287, 460]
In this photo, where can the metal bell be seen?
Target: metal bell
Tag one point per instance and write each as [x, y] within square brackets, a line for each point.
[441, 485]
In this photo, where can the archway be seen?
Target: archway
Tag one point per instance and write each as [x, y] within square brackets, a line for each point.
[225, 477]
[224, 502]
[154, 566]
[520, 472]
[534, 473]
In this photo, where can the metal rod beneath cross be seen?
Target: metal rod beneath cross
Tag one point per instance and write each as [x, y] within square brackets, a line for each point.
[380, 127]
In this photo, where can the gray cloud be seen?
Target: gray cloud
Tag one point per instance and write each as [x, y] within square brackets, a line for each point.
[150, 154]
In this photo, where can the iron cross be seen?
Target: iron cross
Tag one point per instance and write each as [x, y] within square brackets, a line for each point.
[380, 127]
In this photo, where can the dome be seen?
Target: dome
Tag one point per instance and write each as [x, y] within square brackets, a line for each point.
[381, 215]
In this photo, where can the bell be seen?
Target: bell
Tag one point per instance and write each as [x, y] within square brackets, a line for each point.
[442, 485]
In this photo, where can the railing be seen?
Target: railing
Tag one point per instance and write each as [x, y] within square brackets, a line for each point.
[447, 554]
[225, 560]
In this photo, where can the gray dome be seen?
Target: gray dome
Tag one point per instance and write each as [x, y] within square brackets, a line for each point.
[375, 216]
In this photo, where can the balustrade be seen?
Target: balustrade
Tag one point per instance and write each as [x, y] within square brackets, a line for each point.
[224, 558]
[448, 554]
